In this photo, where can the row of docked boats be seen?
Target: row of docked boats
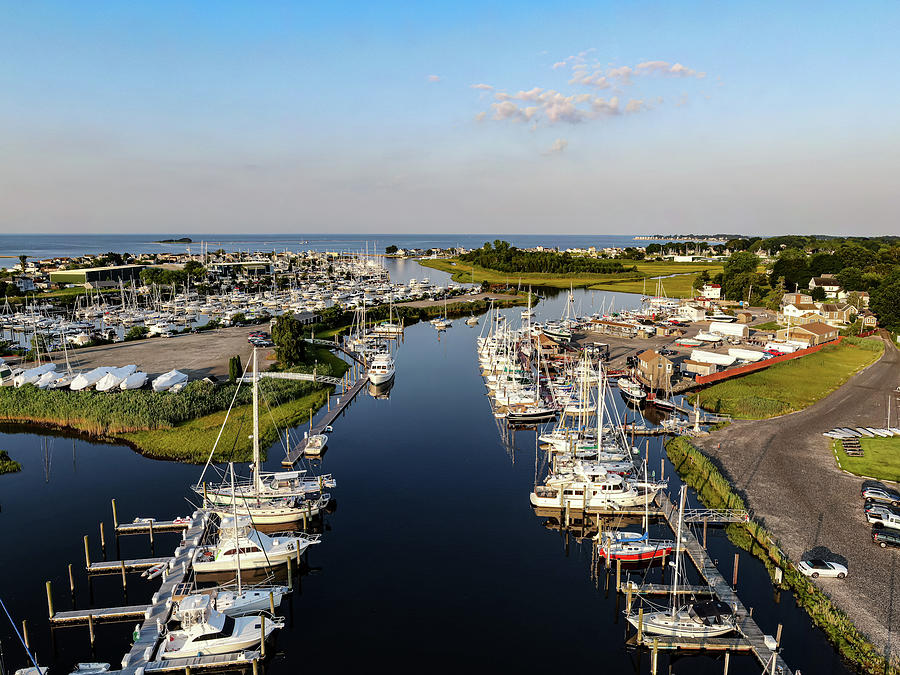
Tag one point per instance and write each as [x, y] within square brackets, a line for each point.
[102, 378]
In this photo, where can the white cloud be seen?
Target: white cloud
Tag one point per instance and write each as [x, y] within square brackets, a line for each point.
[482, 87]
[433, 78]
[559, 145]
[667, 69]
[635, 105]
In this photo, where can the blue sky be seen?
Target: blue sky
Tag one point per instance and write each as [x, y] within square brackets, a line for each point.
[362, 117]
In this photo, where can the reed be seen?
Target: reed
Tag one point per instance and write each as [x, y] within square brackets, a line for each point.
[700, 472]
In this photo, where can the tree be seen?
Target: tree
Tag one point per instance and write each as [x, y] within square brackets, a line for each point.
[851, 279]
[287, 334]
[136, 333]
[238, 319]
[235, 370]
[739, 274]
[885, 302]
[390, 250]
[818, 294]
[22, 260]
[700, 280]
[194, 269]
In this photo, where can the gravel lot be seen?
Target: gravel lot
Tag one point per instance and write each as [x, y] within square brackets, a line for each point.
[786, 470]
[198, 354]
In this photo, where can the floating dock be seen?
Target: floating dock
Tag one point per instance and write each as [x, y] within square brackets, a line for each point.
[144, 526]
[83, 617]
[117, 566]
[344, 400]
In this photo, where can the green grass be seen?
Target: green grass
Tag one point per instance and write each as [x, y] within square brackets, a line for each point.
[7, 464]
[767, 326]
[881, 458]
[792, 385]
[191, 441]
[627, 282]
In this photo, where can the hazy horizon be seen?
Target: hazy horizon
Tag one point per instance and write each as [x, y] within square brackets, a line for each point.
[460, 118]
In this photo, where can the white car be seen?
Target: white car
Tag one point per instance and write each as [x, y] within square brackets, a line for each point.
[816, 568]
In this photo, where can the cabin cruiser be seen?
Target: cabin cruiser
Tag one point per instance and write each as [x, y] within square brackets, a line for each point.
[240, 602]
[381, 369]
[631, 389]
[315, 444]
[240, 545]
[592, 487]
[205, 631]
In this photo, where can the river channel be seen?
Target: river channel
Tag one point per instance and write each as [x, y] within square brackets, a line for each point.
[433, 559]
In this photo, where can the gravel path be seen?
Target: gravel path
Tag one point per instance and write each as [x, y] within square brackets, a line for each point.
[786, 470]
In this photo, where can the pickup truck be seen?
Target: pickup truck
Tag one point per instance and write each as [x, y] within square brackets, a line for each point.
[884, 516]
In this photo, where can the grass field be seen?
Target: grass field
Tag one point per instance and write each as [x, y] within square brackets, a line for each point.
[881, 458]
[769, 326]
[628, 282]
[792, 385]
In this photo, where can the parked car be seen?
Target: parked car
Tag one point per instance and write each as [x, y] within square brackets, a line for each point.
[816, 567]
[667, 352]
[882, 494]
[883, 515]
[885, 537]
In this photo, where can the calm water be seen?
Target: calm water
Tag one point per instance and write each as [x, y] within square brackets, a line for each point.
[433, 559]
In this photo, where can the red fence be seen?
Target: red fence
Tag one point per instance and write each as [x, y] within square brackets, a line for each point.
[759, 365]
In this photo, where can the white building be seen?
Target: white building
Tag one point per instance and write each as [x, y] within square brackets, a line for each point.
[712, 291]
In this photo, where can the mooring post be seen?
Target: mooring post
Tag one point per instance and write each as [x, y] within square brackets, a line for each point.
[751, 613]
[272, 603]
[91, 629]
[734, 578]
[255, 667]
[662, 468]
[25, 634]
[151, 534]
[628, 600]
[102, 540]
[87, 553]
[640, 635]
[50, 611]
[778, 637]
[115, 516]
[618, 574]
[655, 656]
[187, 670]
[290, 575]
[71, 581]
[727, 660]
[124, 582]
[262, 633]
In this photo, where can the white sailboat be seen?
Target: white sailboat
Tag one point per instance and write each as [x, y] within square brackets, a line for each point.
[114, 378]
[168, 380]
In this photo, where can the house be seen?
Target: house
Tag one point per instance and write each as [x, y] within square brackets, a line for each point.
[654, 370]
[744, 317]
[712, 291]
[827, 283]
[868, 318]
[814, 333]
[802, 312]
[837, 314]
[547, 346]
[24, 284]
[698, 367]
[796, 298]
[691, 313]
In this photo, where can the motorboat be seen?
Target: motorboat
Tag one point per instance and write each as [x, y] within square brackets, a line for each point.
[32, 375]
[168, 380]
[89, 379]
[90, 668]
[114, 378]
[472, 321]
[242, 546]
[241, 601]
[136, 380]
[205, 631]
[315, 444]
[381, 368]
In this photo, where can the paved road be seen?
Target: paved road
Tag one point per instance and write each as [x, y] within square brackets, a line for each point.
[786, 470]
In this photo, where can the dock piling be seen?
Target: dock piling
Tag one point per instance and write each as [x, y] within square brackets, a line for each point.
[87, 553]
[151, 534]
[71, 581]
[124, 578]
[640, 633]
[115, 515]
[50, 611]
[272, 603]
[734, 578]
[727, 659]
[102, 539]
[255, 667]
[618, 574]
[91, 629]
[778, 637]
[262, 633]
[25, 634]
[654, 657]
[290, 576]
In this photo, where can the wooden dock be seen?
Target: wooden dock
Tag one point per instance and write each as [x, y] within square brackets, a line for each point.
[722, 644]
[143, 526]
[83, 617]
[664, 589]
[116, 566]
[747, 627]
[344, 400]
[241, 660]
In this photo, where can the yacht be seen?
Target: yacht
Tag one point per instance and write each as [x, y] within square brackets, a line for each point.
[239, 602]
[284, 510]
[381, 368]
[205, 631]
[241, 546]
[315, 444]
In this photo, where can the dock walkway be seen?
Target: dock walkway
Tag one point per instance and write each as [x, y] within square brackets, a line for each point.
[344, 400]
[82, 617]
[143, 526]
[116, 566]
[747, 627]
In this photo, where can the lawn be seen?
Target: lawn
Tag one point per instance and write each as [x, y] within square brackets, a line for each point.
[791, 385]
[769, 326]
[627, 282]
[881, 458]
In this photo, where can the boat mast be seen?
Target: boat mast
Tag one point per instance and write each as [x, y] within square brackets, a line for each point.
[236, 544]
[256, 467]
[678, 551]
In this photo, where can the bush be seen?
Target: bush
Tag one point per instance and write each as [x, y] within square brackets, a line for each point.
[136, 333]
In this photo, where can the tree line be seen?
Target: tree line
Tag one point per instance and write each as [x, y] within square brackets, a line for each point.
[503, 257]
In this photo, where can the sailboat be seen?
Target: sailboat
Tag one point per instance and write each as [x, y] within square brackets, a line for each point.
[442, 322]
[704, 619]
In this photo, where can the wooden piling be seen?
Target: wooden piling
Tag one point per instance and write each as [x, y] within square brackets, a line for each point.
[151, 534]
[25, 634]
[255, 667]
[124, 578]
[102, 539]
[654, 657]
[778, 637]
[272, 603]
[71, 581]
[50, 611]
[262, 633]
[734, 578]
[618, 575]
[727, 660]
[187, 670]
[91, 629]
[640, 634]
[628, 600]
[87, 553]
[290, 575]
[115, 515]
